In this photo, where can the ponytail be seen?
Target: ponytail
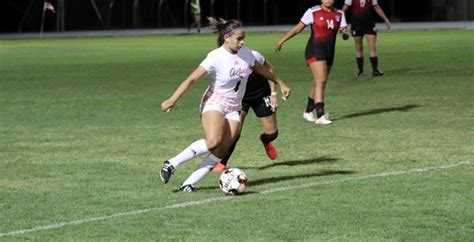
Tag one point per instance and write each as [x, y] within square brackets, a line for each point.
[223, 27]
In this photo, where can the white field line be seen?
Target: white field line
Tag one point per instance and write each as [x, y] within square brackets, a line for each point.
[222, 198]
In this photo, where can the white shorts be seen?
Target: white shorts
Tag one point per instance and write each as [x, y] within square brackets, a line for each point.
[230, 108]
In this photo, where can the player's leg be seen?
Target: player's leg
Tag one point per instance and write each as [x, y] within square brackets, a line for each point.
[319, 70]
[267, 117]
[230, 129]
[223, 163]
[359, 54]
[270, 133]
[212, 122]
[372, 41]
[308, 112]
[197, 19]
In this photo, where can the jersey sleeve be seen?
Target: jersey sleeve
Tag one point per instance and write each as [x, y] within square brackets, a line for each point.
[343, 20]
[307, 18]
[209, 63]
[259, 57]
[249, 57]
[374, 2]
[348, 2]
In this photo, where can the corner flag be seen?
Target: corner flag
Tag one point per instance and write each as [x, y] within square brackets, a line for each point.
[48, 6]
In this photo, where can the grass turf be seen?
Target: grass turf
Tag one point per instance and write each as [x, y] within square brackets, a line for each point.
[82, 137]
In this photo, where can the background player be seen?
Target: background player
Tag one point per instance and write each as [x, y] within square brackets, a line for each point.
[325, 23]
[196, 12]
[363, 23]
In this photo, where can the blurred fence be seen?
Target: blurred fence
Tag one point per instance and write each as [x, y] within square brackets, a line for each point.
[26, 15]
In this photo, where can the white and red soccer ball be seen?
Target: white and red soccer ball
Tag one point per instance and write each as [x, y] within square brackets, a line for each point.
[233, 181]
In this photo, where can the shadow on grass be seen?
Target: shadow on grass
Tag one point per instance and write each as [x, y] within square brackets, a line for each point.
[405, 108]
[320, 160]
[323, 159]
[287, 178]
[263, 181]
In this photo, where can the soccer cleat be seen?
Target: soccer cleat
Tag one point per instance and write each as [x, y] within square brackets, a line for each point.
[360, 74]
[309, 116]
[219, 168]
[323, 120]
[377, 73]
[188, 188]
[271, 150]
[166, 171]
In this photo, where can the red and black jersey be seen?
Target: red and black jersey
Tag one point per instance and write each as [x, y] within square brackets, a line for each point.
[362, 12]
[325, 24]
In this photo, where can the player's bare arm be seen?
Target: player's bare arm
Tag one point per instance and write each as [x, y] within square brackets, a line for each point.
[290, 34]
[285, 90]
[169, 103]
[380, 12]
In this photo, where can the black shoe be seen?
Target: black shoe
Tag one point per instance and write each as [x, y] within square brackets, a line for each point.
[166, 171]
[188, 188]
[377, 73]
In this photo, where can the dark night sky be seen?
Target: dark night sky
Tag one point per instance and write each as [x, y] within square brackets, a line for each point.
[80, 14]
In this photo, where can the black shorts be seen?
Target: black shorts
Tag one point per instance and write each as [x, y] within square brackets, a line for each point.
[361, 30]
[262, 106]
[314, 53]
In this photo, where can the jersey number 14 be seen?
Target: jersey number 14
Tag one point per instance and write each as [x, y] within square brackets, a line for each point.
[330, 23]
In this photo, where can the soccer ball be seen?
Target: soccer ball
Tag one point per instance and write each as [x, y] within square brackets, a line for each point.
[233, 181]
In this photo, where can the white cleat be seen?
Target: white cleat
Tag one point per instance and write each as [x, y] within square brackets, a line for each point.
[309, 116]
[323, 120]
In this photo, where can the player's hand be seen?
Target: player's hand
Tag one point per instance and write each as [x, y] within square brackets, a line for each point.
[387, 23]
[274, 102]
[167, 105]
[285, 91]
[345, 36]
[278, 47]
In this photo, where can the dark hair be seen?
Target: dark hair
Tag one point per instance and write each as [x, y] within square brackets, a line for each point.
[223, 27]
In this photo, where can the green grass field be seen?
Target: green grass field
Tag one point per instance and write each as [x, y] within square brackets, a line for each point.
[82, 140]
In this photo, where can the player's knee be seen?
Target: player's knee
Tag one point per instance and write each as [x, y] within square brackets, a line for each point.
[213, 143]
[320, 81]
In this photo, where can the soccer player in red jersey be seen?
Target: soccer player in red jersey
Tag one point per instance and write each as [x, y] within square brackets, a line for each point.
[363, 23]
[325, 23]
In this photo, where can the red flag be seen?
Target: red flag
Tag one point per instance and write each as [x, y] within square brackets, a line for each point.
[48, 6]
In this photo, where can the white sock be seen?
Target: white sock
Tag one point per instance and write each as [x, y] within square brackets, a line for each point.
[196, 149]
[204, 167]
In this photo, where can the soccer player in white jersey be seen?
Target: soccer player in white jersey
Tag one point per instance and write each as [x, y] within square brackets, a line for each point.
[261, 96]
[229, 67]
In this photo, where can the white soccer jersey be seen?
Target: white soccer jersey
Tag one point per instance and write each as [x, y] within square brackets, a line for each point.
[229, 74]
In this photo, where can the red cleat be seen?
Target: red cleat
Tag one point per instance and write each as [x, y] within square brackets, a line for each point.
[271, 151]
[219, 168]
